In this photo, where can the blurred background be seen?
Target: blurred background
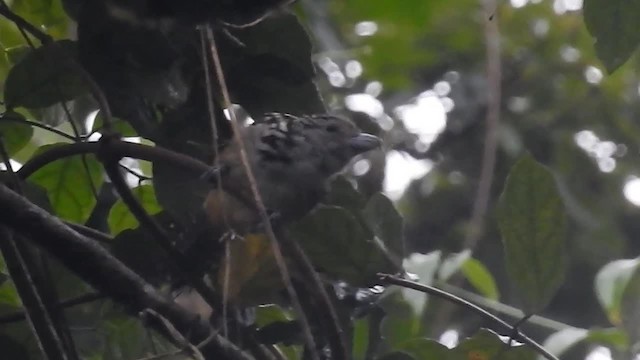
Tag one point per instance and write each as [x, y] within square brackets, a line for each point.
[419, 68]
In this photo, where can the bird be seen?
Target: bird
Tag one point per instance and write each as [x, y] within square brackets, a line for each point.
[292, 158]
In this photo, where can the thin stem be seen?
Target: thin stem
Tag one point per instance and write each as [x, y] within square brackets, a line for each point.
[94, 234]
[158, 233]
[80, 300]
[119, 148]
[394, 280]
[277, 252]
[7, 117]
[494, 78]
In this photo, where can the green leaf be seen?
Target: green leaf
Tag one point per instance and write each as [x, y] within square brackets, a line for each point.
[273, 71]
[343, 194]
[122, 337]
[120, 218]
[614, 337]
[44, 77]
[337, 243]
[532, 221]
[400, 323]
[9, 296]
[70, 185]
[452, 264]
[386, 223]
[481, 279]
[613, 24]
[14, 135]
[610, 284]
[360, 338]
[17, 53]
[267, 314]
[122, 127]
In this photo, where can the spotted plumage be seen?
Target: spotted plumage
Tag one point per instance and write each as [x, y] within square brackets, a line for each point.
[292, 158]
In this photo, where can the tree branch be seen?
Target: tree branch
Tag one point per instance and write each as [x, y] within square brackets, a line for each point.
[39, 318]
[262, 210]
[82, 299]
[394, 280]
[118, 148]
[98, 267]
[110, 162]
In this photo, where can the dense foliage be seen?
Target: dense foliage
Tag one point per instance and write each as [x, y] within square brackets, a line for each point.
[510, 166]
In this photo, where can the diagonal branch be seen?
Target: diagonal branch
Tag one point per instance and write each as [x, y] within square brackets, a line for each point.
[394, 280]
[262, 210]
[187, 269]
[103, 271]
[38, 317]
[46, 324]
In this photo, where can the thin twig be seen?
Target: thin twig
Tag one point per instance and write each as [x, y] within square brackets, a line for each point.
[277, 252]
[216, 159]
[394, 280]
[177, 337]
[7, 117]
[79, 300]
[24, 24]
[76, 133]
[94, 234]
[39, 319]
[187, 269]
[494, 78]
[505, 309]
[336, 334]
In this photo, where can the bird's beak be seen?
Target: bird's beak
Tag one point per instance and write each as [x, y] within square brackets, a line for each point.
[364, 142]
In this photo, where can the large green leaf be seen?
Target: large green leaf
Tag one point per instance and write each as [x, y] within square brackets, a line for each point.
[532, 221]
[480, 278]
[273, 72]
[386, 223]
[338, 244]
[613, 24]
[45, 76]
[14, 135]
[120, 218]
[70, 183]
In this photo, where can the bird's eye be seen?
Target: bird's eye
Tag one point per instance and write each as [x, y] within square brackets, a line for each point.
[332, 128]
